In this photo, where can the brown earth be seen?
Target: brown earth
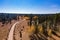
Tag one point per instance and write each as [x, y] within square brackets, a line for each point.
[21, 27]
[4, 30]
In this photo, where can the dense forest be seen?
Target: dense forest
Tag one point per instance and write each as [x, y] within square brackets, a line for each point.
[7, 17]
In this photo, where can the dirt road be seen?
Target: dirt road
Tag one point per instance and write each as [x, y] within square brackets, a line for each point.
[10, 36]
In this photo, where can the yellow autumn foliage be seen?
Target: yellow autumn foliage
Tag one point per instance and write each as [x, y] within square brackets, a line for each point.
[49, 32]
[35, 17]
[40, 28]
[26, 17]
[31, 29]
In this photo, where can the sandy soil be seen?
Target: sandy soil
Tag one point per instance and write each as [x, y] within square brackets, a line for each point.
[21, 27]
[4, 30]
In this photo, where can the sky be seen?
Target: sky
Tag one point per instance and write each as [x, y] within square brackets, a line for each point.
[29, 6]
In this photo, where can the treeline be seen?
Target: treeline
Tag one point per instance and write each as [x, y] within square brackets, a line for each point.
[6, 18]
[50, 21]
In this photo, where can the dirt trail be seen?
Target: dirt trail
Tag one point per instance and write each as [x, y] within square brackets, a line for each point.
[10, 36]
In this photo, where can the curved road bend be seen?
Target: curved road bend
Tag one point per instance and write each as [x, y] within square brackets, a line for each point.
[10, 36]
